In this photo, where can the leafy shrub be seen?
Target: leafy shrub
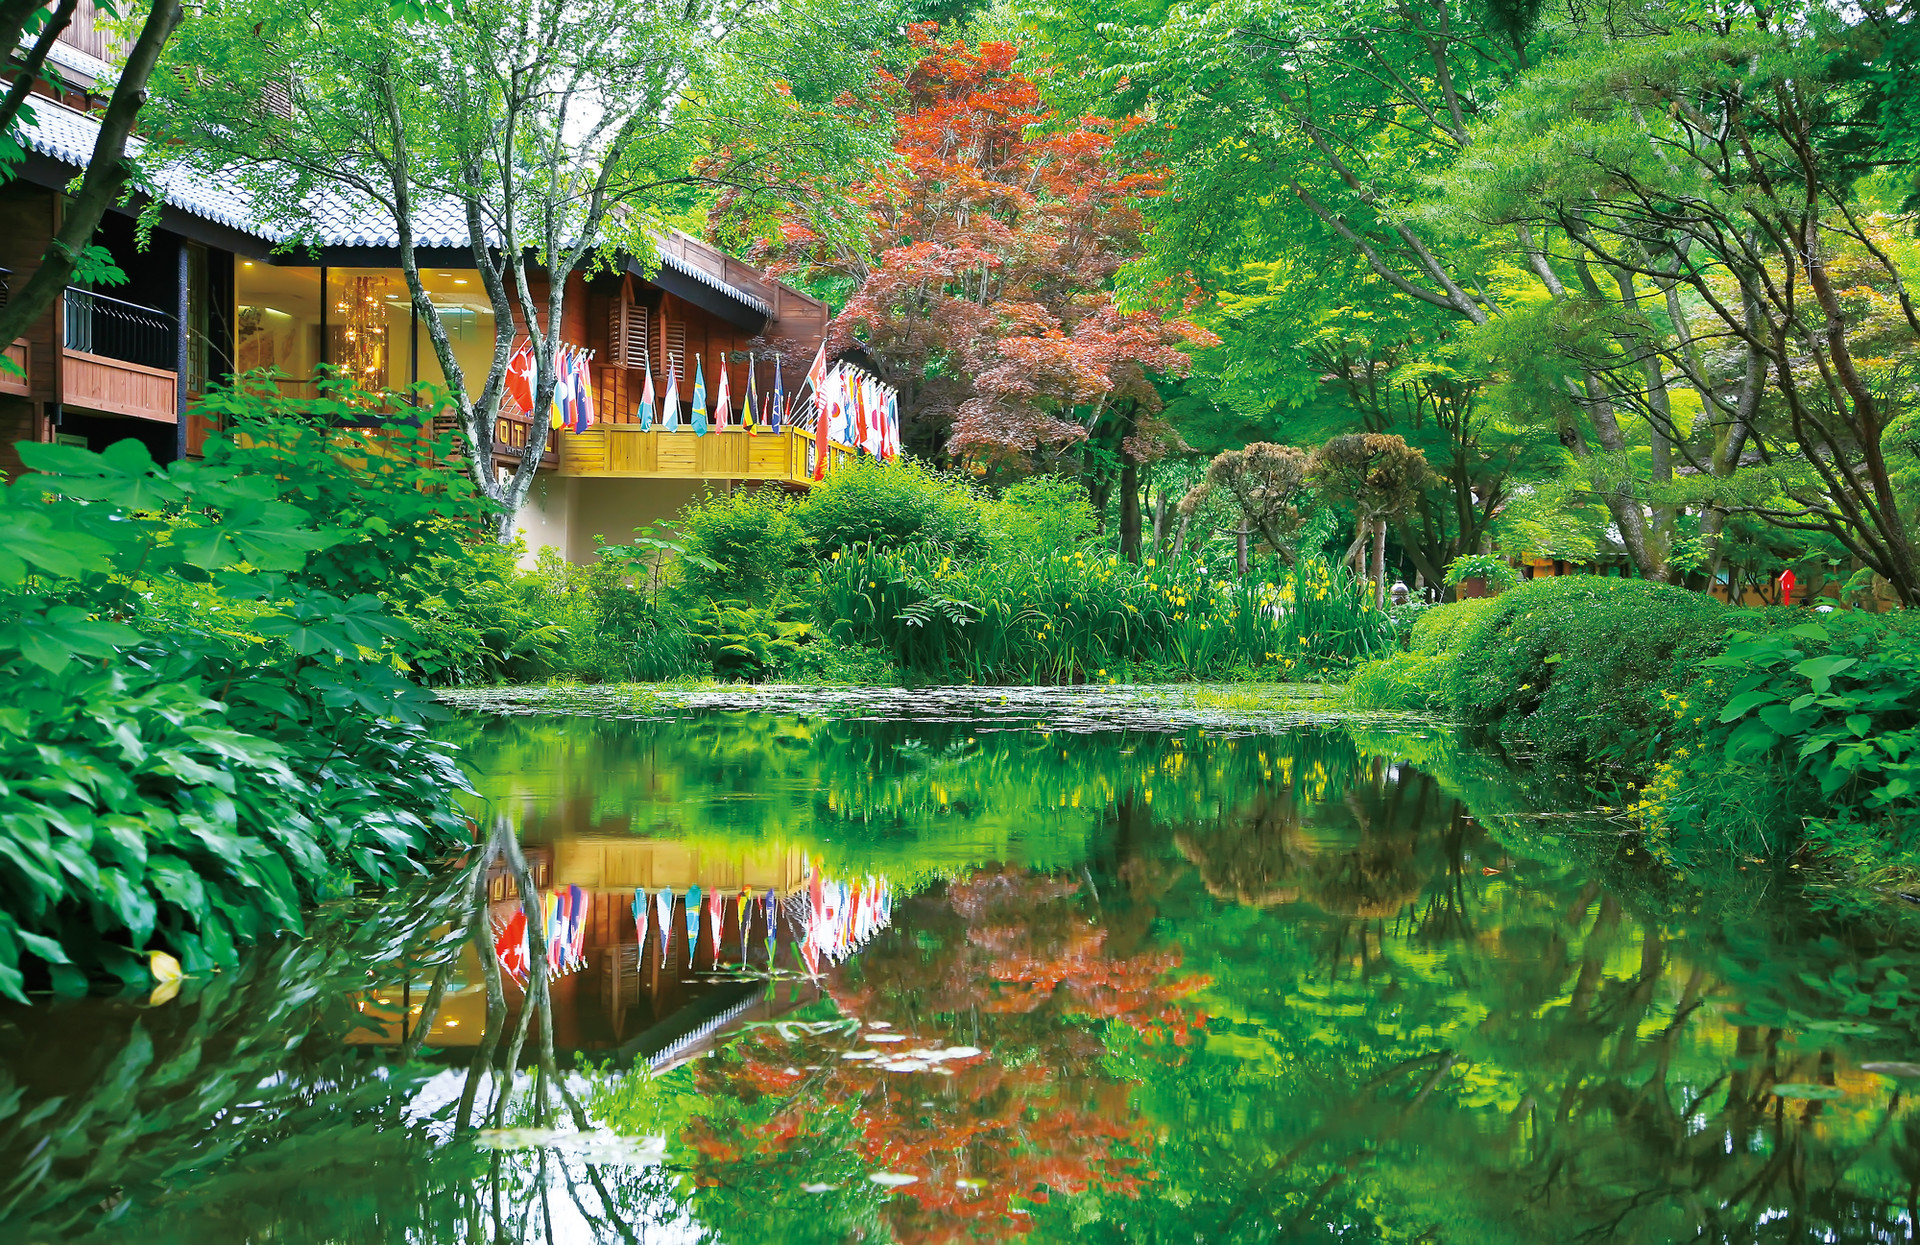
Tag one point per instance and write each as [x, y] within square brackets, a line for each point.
[475, 619]
[614, 629]
[1041, 514]
[197, 737]
[743, 641]
[827, 660]
[1405, 682]
[744, 545]
[1570, 669]
[1440, 629]
[892, 505]
[1795, 719]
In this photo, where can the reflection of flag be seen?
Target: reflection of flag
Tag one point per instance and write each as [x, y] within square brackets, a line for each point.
[743, 909]
[646, 403]
[716, 922]
[663, 909]
[511, 945]
[771, 916]
[693, 922]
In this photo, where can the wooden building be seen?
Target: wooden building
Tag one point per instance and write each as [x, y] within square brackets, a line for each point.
[215, 291]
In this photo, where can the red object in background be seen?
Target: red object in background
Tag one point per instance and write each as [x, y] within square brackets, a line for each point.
[1786, 587]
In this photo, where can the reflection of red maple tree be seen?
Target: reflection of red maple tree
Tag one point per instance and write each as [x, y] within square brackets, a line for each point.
[1011, 964]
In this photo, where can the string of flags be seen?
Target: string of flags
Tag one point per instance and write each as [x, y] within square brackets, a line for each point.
[841, 403]
[835, 918]
[572, 405]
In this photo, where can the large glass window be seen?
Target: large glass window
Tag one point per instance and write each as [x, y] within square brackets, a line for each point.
[368, 316]
[464, 309]
[279, 319]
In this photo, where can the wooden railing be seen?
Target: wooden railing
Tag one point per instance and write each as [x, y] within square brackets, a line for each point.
[627, 451]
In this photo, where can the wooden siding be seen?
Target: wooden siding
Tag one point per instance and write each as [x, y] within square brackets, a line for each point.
[20, 354]
[91, 382]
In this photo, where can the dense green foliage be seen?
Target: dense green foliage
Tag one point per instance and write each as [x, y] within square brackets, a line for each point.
[203, 729]
[1749, 728]
[1059, 618]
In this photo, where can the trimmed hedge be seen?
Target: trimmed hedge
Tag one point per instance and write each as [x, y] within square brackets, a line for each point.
[1568, 671]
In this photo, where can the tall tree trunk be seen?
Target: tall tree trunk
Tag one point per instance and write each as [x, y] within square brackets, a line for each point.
[1130, 509]
[1380, 563]
[1160, 521]
[1241, 545]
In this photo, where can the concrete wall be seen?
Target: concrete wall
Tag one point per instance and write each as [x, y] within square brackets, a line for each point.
[568, 512]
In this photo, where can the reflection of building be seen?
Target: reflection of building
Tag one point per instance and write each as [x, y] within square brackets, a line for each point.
[634, 999]
[211, 295]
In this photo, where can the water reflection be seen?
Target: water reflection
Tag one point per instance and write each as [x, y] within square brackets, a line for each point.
[837, 979]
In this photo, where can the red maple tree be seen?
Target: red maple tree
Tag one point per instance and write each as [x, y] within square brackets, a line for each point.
[984, 292]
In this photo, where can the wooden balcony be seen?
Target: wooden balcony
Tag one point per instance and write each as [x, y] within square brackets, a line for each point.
[626, 451]
[92, 382]
[116, 358]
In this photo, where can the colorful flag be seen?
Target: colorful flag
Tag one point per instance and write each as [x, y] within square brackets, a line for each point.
[646, 404]
[699, 398]
[777, 415]
[817, 378]
[723, 401]
[860, 411]
[520, 376]
[743, 905]
[670, 405]
[753, 397]
[584, 414]
[893, 425]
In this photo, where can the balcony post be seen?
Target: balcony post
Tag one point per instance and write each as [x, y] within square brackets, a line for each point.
[180, 352]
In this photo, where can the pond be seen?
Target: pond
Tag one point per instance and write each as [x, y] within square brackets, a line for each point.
[1095, 966]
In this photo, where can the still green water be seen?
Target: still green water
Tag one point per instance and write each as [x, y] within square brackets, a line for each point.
[1150, 974]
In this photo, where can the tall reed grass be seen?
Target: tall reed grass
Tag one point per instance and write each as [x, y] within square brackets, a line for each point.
[1080, 617]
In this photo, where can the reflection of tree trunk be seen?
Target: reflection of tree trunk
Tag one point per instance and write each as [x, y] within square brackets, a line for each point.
[410, 1048]
[480, 935]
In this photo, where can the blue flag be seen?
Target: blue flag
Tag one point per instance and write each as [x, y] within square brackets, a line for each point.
[774, 419]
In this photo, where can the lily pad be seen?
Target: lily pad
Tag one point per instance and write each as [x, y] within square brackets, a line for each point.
[1897, 1069]
[1800, 1089]
[892, 1180]
[1848, 1028]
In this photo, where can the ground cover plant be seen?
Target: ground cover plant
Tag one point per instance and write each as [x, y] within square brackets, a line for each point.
[203, 726]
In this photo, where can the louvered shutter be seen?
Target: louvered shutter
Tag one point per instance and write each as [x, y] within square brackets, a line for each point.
[673, 344]
[627, 332]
